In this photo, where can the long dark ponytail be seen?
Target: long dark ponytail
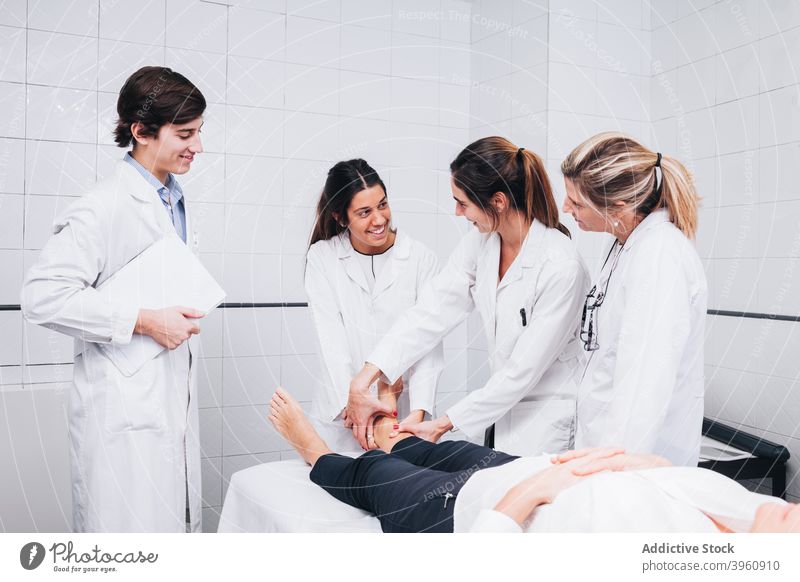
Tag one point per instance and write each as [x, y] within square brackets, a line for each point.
[345, 180]
[494, 164]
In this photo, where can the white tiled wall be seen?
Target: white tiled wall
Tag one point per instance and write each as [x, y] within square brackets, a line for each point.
[725, 98]
[598, 80]
[292, 87]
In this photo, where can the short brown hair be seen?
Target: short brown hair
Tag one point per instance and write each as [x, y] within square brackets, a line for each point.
[154, 97]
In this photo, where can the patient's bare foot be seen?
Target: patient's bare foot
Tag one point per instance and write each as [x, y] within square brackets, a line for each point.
[291, 422]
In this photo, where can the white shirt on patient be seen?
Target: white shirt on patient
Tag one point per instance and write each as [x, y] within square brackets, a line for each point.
[666, 499]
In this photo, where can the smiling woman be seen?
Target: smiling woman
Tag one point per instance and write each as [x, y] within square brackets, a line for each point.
[522, 273]
[354, 199]
[361, 273]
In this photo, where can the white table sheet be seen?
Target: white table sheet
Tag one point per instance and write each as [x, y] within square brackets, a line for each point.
[279, 497]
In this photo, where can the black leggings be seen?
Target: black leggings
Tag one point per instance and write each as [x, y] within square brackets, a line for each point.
[411, 489]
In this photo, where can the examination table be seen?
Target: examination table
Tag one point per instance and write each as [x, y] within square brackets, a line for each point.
[279, 496]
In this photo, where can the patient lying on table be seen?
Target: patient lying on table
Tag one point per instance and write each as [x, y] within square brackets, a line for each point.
[413, 485]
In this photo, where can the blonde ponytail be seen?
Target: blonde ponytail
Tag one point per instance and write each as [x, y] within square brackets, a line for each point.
[611, 167]
[679, 196]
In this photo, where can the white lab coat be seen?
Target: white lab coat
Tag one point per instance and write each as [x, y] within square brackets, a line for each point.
[534, 367]
[643, 388]
[133, 440]
[350, 319]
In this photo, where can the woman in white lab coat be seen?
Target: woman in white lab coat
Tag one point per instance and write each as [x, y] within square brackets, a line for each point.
[643, 320]
[520, 270]
[360, 275]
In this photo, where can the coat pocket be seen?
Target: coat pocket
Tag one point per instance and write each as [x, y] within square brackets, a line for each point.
[136, 402]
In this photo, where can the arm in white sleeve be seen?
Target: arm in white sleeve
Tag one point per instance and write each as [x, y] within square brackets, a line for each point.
[553, 322]
[58, 291]
[333, 344]
[443, 304]
[423, 376]
[491, 521]
[653, 335]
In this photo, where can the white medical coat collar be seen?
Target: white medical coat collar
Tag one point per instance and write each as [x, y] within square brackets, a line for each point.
[134, 182]
[127, 179]
[531, 247]
[528, 254]
[400, 251]
[655, 218]
[488, 286]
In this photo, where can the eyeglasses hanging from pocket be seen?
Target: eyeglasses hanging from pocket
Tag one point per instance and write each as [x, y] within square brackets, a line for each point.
[588, 325]
[589, 321]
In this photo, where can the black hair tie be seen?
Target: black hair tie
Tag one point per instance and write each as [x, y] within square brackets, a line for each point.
[656, 183]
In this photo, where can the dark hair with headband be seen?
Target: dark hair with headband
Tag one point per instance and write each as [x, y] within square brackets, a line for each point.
[612, 167]
[494, 164]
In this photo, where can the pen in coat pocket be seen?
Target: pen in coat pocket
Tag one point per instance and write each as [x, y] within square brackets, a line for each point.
[524, 318]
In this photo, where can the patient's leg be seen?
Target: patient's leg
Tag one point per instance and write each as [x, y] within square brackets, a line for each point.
[384, 425]
[293, 425]
[382, 428]
[446, 456]
[404, 497]
[451, 456]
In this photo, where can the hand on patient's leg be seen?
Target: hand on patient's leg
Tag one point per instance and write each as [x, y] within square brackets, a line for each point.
[389, 394]
[382, 425]
[383, 429]
[293, 425]
[394, 391]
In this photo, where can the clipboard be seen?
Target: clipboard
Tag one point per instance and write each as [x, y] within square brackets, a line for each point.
[165, 274]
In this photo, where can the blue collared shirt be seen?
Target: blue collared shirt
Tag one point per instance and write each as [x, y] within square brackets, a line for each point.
[170, 194]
